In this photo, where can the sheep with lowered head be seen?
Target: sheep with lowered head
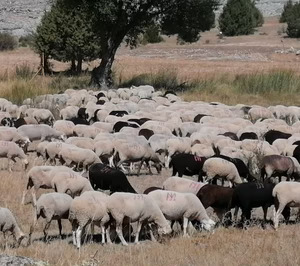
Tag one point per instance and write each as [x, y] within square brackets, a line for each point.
[12, 151]
[51, 206]
[8, 223]
[138, 208]
[89, 208]
[186, 206]
[217, 167]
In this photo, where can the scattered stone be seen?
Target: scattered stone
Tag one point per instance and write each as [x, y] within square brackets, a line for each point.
[19, 261]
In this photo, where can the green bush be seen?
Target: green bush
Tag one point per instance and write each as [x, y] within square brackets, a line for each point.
[293, 21]
[26, 41]
[286, 10]
[152, 35]
[7, 42]
[240, 17]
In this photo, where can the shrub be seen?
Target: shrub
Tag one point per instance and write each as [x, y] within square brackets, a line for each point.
[27, 40]
[240, 17]
[152, 35]
[24, 71]
[286, 9]
[293, 21]
[7, 42]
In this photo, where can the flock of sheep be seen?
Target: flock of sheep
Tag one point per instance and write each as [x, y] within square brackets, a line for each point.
[127, 127]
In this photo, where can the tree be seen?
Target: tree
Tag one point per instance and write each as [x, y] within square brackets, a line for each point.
[117, 20]
[66, 35]
[286, 9]
[293, 21]
[240, 17]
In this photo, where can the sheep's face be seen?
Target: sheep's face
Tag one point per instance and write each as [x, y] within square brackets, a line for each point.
[208, 225]
[165, 230]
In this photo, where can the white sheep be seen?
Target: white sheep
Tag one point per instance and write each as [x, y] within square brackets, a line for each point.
[43, 116]
[51, 206]
[40, 132]
[70, 183]
[64, 126]
[81, 142]
[186, 206]
[86, 131]
[217, 167]
[69, 112]
[286, 194]
[8, 223]
[78, 156]
[12, 151]
[134, 152]
[138, 208]
[41, 177]
[53, 149]
[11, 134]
[89, 208]
[180, 184]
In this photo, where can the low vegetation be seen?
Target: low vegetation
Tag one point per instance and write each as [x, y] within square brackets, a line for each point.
[7, 42]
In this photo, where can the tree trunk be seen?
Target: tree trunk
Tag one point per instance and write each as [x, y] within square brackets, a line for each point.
[73, 65]
[102, 75]
[79, 65]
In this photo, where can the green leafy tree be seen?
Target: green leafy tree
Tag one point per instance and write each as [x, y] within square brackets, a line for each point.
[286, 9]
[293, 21]
[66, 35]
[114, 21]
[7, 41]
[240, 17]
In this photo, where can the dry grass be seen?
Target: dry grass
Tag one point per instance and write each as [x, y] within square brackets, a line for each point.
[254, 246]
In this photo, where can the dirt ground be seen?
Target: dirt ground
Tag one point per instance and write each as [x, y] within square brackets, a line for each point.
[209, 56]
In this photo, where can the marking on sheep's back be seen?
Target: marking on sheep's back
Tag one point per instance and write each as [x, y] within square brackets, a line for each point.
[138, 197]
[171, 197]
[197, 158]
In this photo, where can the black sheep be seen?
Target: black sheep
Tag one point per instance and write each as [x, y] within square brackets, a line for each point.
[106, 178]
[272, 135]
[254, 195]
[187, 164]
[120, 124]
[248, 135]
[147, 133]
[118, 113]
[79, 121]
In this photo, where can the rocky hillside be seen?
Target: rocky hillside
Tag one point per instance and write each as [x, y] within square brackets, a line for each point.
[20, 17]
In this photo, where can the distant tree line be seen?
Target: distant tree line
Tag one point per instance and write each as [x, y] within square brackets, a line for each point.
[291, 15]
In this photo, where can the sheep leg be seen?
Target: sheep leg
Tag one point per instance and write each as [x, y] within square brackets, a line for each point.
[265, 209]
[78, 236]
[5, 240]
[185, 225]
[120, 234]
[108, 239]
[148, 164]
[74, 233]
[45, 230]
[103, 234]
[277, 214]
[139, 169]
[111, 161]
[139, 227]
[236, 211]
[59, 227]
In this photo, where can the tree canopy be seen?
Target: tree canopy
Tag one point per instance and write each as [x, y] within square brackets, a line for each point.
[66, 35]
[240, 17]
[113, 21]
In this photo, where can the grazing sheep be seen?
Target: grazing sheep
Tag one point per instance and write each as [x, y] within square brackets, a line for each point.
[81, 142]
[43, 116]
[8, 223]
[51, 206]
[53, 149]
[177, 145]
[78, 156]
[137, 208]
[41, 177]
[176, 206]
[272, 135]
[286, 194]
[89, 208]
[86, 131]
[70, 183]
[217, 167]
[106, 178]
[64, 126]
[12, 151]
[134, 152]
[11, 134]
[187, 164]
[40, 132]
[278, 165]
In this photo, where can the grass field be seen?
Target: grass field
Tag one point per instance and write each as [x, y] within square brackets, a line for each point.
[234, 70]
